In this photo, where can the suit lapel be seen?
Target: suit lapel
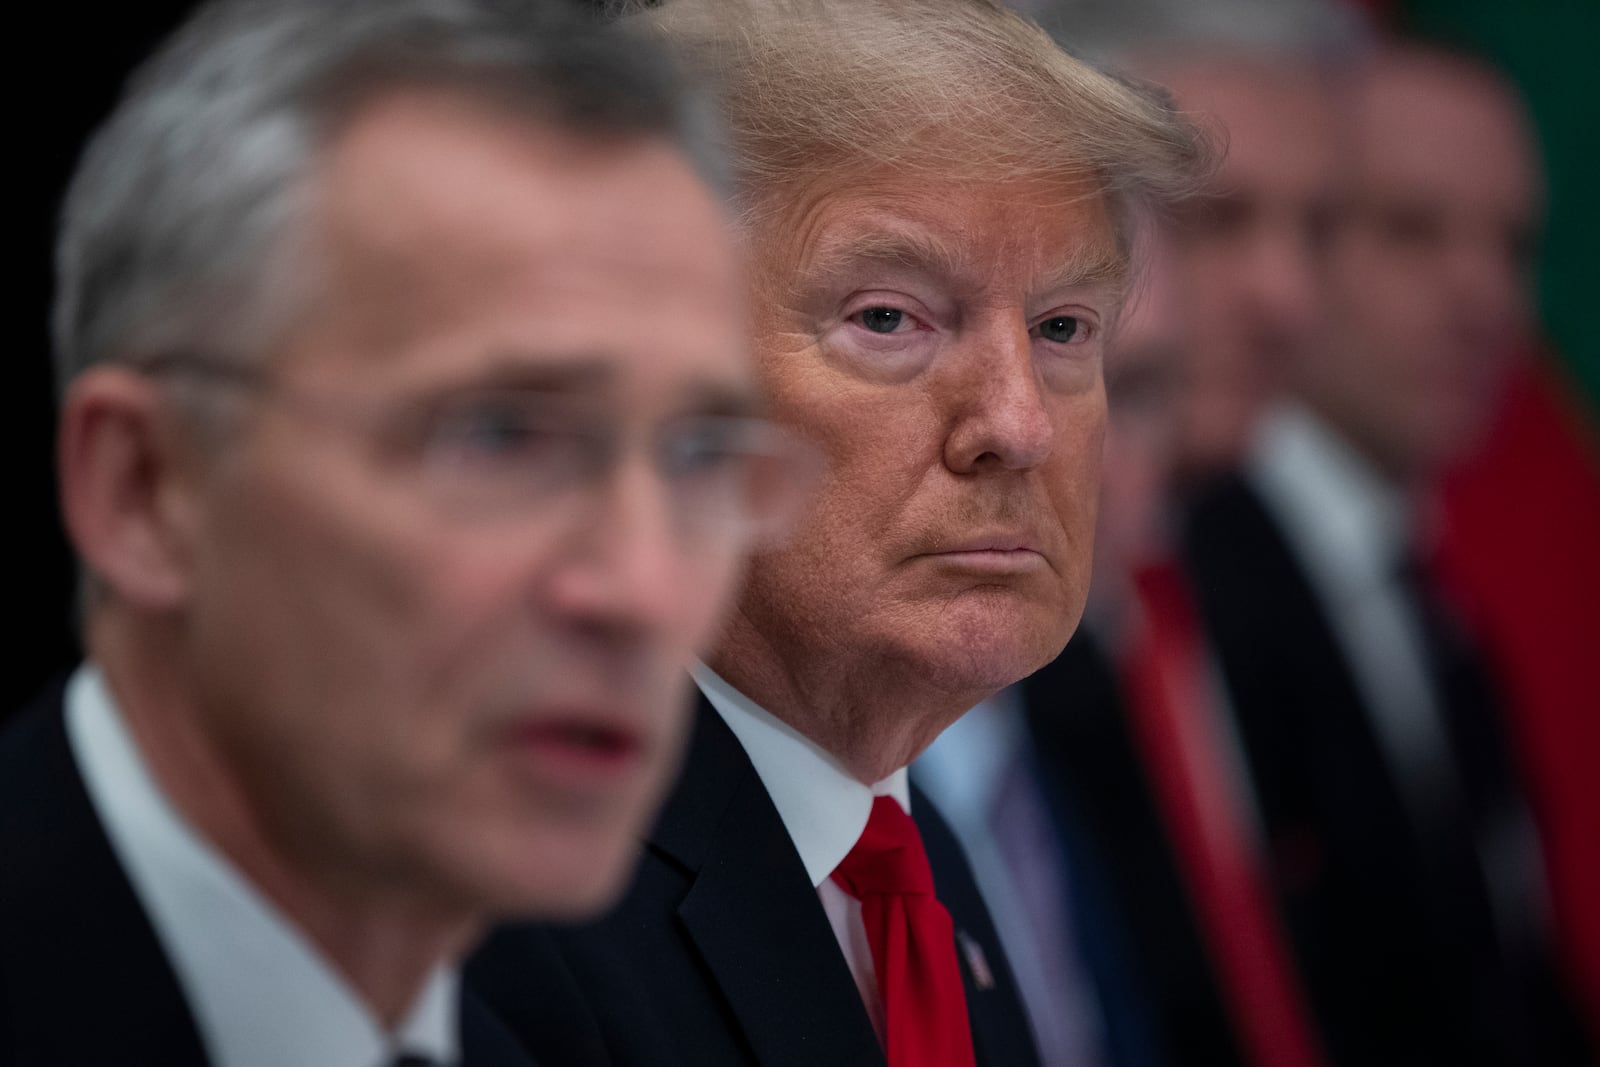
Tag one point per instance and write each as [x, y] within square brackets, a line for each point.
[753, 915]
[1001, 1035]
[485, 1042]
[74, 941]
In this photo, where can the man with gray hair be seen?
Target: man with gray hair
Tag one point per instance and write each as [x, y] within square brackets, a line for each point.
[397, 529]
[938, 205]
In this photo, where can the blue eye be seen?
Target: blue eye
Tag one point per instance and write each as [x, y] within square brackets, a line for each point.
[881, 319]
[1060, 328]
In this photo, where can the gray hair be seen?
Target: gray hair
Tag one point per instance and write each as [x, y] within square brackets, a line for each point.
[820, 90]
[183, 228]
[1121, 32]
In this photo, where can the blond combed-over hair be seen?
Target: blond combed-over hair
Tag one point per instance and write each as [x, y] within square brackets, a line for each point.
[821, 91]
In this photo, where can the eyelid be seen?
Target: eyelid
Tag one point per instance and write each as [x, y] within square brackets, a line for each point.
[1088, 323]
[865, 299]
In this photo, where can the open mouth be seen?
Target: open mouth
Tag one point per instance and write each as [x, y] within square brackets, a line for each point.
[579, 748]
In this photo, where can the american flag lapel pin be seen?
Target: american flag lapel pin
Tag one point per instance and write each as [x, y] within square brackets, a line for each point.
[977, 962]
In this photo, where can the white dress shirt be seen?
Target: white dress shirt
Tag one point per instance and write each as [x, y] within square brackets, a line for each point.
[822, 806]
[261, 994]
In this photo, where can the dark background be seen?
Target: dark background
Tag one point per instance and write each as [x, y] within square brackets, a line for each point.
[79, 67]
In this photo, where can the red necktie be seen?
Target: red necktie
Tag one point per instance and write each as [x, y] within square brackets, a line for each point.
[1167, 687]
[913, 943]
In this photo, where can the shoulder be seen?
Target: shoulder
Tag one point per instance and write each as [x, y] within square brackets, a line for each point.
[72, 931]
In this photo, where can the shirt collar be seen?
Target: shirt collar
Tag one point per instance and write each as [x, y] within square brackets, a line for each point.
[822, 806]
[262, 995]
[1350, 522]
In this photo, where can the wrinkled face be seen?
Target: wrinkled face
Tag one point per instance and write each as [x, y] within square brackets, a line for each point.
[1251, 258]
[942, 342]
[482, 705]
[1431, 275]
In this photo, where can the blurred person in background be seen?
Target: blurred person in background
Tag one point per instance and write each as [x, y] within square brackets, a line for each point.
[396, 531]
[1250, 256]
[1402, 848]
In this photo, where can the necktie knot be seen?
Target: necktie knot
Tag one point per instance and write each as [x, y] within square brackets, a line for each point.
[888, 859]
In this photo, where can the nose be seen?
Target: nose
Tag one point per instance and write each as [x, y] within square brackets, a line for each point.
[1001, 420]
[1287, 282]
[625, 568]
[1284, 273]
[1489, 293]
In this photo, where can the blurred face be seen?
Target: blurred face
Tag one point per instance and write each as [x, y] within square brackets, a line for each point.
[1431, 275]
[942, 343]
[1250, 258]
[432, 688]
[1145, 358]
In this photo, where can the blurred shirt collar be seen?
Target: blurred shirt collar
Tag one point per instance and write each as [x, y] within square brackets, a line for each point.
[1352, 525]
[261, 994]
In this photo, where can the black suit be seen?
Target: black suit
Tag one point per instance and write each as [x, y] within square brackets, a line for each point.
[83, 979]
[1391, 925]
[721, 954]
[1139, 935]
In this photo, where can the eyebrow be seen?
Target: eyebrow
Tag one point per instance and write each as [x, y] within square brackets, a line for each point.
[544, 372]
[892, 247]
[1088, 263]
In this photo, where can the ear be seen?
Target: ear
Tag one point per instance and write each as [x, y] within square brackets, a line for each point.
[124, 492]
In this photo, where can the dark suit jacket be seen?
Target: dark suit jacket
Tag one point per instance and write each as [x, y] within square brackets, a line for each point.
[83, 979]
[1391, 928]
[1139, 935]
[720, 953]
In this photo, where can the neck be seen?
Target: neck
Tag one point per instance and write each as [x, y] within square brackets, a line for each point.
[870, 715]
[383, 940]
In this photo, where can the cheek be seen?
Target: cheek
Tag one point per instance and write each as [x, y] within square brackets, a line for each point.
[1072, 477]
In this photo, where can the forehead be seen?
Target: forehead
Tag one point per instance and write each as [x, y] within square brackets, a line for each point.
[1441, 129]
[449, 232]
[1042, 231]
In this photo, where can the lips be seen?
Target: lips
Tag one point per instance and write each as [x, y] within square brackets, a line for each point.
[991, 544]
[988, 554]
[578, 749]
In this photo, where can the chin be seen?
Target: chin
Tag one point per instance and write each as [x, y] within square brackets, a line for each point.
[986, 646]
[559, 877]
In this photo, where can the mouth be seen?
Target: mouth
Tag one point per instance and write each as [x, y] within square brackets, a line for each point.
[577, 750]
[989, 555]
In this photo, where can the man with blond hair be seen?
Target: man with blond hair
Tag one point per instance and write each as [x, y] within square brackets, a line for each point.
[938, 206]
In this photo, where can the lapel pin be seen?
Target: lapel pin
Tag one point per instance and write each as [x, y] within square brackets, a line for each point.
[977, 962]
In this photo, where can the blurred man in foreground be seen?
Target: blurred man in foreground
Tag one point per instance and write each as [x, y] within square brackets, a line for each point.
[939, 206]
[407, 444]
[1401, 844]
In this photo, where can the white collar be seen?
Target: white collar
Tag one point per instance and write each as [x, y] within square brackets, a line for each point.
[1349, 522]
[260, 992]
[822, 806]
